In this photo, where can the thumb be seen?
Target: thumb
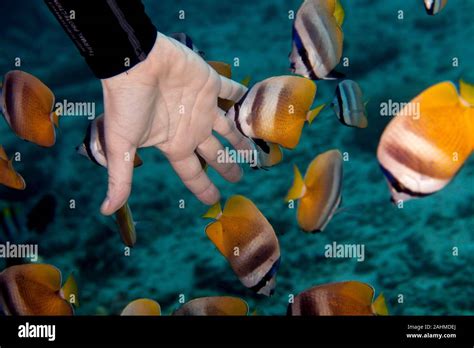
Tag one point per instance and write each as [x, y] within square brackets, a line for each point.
[120, 156]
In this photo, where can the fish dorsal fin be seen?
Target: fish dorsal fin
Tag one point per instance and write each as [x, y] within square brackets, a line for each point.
[315, 112]
[246, 80]
[221, 68]
[380, 306]
[70, 292]
[298, 189]
[214, 212]
[239, 206]
[215, 232]
[467, 92]
[339, 13]
[142, 307]
[3, 154]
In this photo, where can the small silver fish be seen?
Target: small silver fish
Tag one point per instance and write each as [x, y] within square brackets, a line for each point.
[349, 105]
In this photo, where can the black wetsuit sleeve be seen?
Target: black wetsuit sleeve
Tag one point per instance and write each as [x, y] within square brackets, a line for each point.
[112, 35]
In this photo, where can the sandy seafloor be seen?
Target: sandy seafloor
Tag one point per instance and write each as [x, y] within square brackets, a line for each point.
[408, 251]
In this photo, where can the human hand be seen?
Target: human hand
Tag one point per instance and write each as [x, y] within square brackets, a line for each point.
[169, 101]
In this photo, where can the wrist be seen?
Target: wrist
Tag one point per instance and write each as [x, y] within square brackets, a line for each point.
[147, 71]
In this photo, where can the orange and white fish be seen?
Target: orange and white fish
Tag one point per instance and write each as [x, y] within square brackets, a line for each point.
[8, 176]
[27, 105]
[214, 306]
[317, 39]
[434, 7]
[343, 298]
[248, 242]
[349, 106]
[142, 307]
[276, 109]
[426, 144]
[35, 289]
[320, 191]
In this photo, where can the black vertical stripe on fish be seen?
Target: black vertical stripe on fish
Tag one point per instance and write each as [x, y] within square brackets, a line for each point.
[273, 270]
[340, 105]
[101, 136]
[431, 10]
[257, 103]
[236, 117]
[313, 34]
[303, 53]
[87, 145]
[237, 112]
[262, 144]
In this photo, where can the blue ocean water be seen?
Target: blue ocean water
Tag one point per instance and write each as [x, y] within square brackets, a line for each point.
[409, 251]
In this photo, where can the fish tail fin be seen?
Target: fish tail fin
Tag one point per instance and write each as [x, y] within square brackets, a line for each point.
[246, 80]
[466, 90]
[380, 306]
[339, 13]
[214, 212]
[69, 291]
[311, 115]
[55, 119]
[298, 188]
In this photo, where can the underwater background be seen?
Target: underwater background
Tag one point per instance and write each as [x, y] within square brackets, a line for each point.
[408, 251]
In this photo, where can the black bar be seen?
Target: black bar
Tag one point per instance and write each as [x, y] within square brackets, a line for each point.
[135, 331]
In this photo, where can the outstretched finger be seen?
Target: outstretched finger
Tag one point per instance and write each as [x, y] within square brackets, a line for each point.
[195, 178]
[231, 90]
[226, 128]
[120, 156]
[214, 154]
